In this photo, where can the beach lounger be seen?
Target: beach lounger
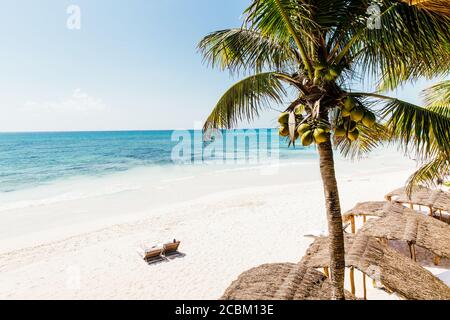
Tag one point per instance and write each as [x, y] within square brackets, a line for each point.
[158, 253]
[152, 254]
[171, 248]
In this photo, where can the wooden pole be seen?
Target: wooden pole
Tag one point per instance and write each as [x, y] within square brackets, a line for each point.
[364, 286]
[431, 211]
[411, 205]
[326, 271]
[352, 280]
[364, 219]
[437, 260]
[352, 219]
[410, 250]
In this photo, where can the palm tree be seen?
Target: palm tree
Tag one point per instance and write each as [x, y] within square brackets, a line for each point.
[319, 48]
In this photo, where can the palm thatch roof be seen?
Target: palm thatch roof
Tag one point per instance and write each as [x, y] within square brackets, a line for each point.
[396, 272]
[281, 281]
[367, 209]
[401, 223]
[438, 6]
[436, 199]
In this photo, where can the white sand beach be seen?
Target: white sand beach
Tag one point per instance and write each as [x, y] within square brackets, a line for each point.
[78, 239]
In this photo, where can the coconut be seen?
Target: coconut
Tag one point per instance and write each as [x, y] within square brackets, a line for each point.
[369, 119]
[283, 119]
[320, 135]
[340, 132]
[350, 126]
[345, 113]
[349, 103]
[353, 135]
[303, 128]
[283, 131]
[318, 131]
[357, 114]
[298, 110]
[307, 138]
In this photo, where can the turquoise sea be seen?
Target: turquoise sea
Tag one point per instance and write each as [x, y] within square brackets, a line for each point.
[33, 159]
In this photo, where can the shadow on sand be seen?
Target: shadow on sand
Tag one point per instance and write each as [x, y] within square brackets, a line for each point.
[166, 258]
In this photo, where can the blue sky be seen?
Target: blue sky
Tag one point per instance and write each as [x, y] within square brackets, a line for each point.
[132, 65]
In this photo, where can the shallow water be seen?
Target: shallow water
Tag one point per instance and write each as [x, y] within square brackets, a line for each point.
[32, 159]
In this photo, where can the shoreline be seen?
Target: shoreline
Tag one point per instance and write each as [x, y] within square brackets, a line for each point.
[77, 205]
[224, 232]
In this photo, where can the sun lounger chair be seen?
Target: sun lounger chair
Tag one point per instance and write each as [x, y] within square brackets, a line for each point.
[152, 254]
[158, 253]
[171, 248]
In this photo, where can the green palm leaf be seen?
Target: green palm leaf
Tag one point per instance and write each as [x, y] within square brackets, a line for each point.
[438, 95]
[430, 172]
[285, 19]
[245, 99]
[369, 139]
[243, 50]
[408, 36]
[426, 131]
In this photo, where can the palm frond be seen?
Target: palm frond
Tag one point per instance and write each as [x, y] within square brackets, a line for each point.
[443, 109]
[408, 36]
[408, 70]
[369, 139]
[245, 99]
[422, 129]
[246, 50]
[437, 95]
[429, 173]
[287, 20]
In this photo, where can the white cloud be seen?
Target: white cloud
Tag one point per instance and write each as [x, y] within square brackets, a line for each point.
[78, 102]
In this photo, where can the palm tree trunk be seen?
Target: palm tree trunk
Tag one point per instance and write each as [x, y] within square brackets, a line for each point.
[335, 230]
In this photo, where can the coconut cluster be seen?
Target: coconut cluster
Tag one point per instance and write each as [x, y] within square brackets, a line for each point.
[315, 131]
[352, 114]
[309, 133]
[325, 72]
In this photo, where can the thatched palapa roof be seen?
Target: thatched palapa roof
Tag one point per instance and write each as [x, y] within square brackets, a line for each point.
[396, 272]
[401, 223]
[437, 199]
[368, 209]
[281, 281]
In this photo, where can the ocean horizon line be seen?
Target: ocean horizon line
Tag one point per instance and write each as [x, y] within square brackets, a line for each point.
[123, 130]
